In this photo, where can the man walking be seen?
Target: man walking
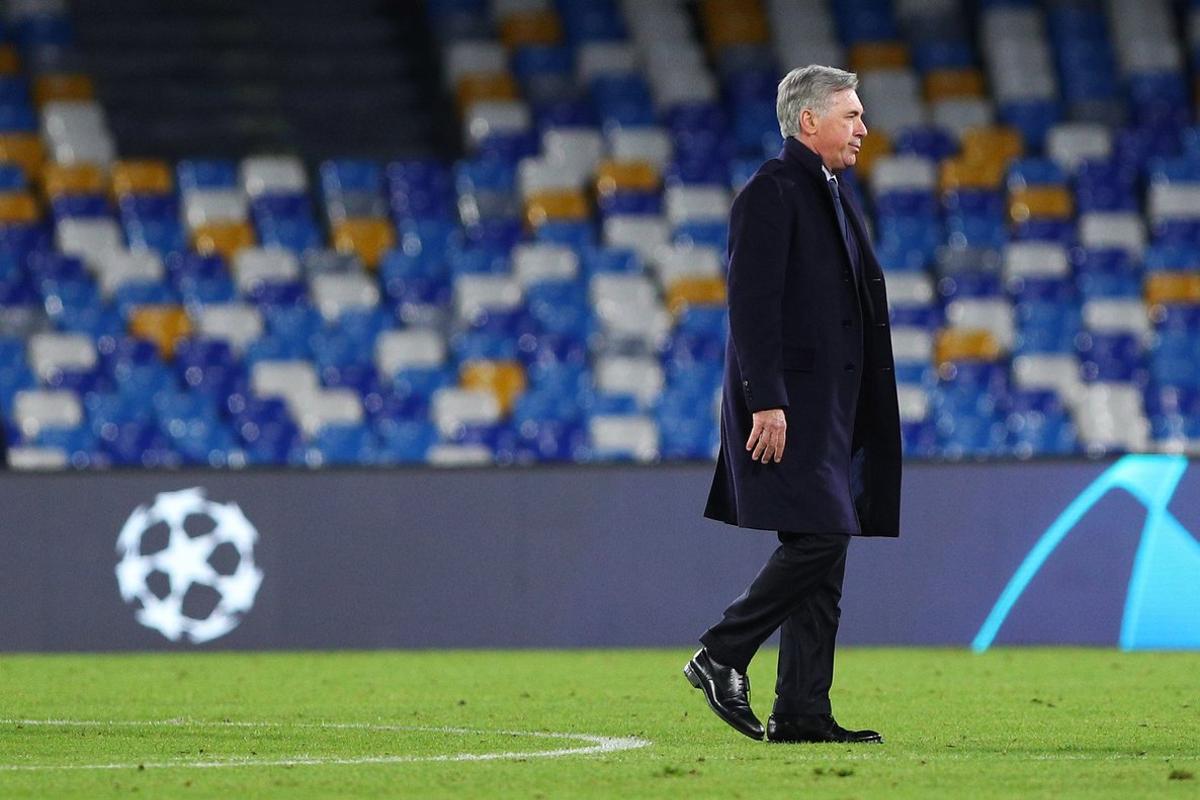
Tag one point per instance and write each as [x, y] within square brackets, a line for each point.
[810, 430]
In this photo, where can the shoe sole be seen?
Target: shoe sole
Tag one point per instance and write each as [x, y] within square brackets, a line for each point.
[694, 679]
[875, 740]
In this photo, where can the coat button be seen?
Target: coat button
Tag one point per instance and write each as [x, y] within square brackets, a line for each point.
[846, 323]
[849, 367]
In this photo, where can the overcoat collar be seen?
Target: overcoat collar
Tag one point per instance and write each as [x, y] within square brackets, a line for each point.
[795, 153]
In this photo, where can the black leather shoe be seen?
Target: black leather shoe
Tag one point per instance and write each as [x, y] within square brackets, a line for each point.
[815, 728]
[727, 692]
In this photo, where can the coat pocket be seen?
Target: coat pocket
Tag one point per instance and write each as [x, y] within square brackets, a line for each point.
[799, 359]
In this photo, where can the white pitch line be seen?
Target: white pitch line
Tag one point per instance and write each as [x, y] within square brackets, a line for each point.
[596, 745]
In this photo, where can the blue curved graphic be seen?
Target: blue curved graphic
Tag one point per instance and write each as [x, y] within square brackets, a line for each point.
[1162, 602]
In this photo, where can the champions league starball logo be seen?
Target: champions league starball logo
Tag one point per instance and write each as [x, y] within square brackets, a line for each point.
[187, 566]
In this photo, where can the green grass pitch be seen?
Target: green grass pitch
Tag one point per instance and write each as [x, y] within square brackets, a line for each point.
[463, 724]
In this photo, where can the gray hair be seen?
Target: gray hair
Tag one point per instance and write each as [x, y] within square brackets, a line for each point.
[808, 87]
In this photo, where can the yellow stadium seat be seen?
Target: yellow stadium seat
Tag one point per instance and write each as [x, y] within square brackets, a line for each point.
[1040, 202]
[164, 325]
[992, 143]
[1171, 288]
[947, 84]
[525, 28]
[966, 344]
[18, 207]
[142, 176]
[476, 86]
[24, 150]
[695, 292]
[61, 179]
[368, 238]
[504, 379]
[733, 22]
[10, 62]
[961, 173]
[867, 56]
[876, 144]
[555, 204]
[62, 86]
[226, 239]
[622, 176]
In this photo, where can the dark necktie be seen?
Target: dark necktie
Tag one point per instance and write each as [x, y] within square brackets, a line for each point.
[837, 206]
[844, 225]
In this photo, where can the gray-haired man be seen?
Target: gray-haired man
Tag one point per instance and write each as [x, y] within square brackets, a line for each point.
[809, 361]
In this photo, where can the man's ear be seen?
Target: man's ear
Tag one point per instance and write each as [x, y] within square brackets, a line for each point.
[808, 121]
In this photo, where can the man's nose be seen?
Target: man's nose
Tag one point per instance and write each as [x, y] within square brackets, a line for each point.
[862, 128]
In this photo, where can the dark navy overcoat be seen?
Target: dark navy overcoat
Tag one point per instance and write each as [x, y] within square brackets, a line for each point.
[806, 336]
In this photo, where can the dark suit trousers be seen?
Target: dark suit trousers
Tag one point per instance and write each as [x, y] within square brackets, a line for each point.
[797, 591]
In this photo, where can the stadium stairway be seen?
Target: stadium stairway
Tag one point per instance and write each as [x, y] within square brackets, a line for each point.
[226, 78]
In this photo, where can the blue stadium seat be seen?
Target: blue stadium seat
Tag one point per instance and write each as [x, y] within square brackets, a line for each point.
[1105, 186]
[207, 173]
[276, 442]
[285, 220]
[942, 54]
[66, 206]
[1039, 424]
[920, 439]
[78, 442]
[346, 445]
[578, 235]
[1110, 357]
[12, 178]
[343, 175]
[404, 441]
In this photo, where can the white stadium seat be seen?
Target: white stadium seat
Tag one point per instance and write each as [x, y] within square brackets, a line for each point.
[687, 261]
[409, 349]
[912, 345]
[314, 410]
[486, 117]
[253, 266]
[696, 203]
[474, 294]
[239, 324]
[1118, 315]
[650, 144]
[37, 409]
[1035, 260]
[334, 293]
[455, 408]
[203, 206]
[37, 458]
[624, 436]
[52, 353]
[1104, 229]
[541, 262]
[88, 239]
[115, 268]
[277, 174]
[903, 173]
[640, 377]
[284, 379]
[991, 314]
[644, 233]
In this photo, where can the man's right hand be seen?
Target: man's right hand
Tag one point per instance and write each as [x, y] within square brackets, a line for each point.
[767, 435]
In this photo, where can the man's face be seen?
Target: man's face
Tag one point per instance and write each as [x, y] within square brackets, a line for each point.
[837, 134]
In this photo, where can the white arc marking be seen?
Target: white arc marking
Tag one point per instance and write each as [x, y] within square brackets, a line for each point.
[595, 745]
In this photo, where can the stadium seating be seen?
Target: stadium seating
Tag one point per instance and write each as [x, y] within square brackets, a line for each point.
[556, 292]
